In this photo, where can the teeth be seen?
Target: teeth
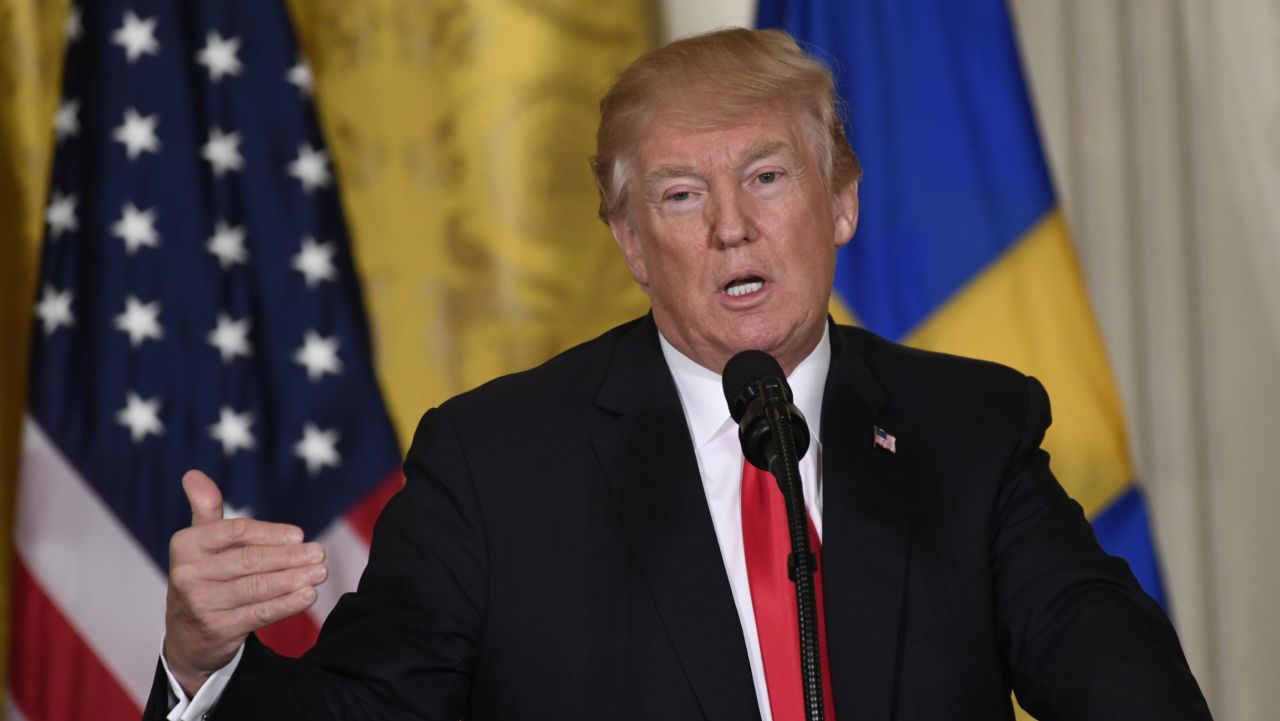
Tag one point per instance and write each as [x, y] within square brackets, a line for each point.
[741, 288]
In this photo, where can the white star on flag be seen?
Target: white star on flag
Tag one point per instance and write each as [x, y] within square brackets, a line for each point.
[227, 244]
[140, 320]
[74, 28]
[137, 133]
[232, 431]
[54, 309]
[223, 152]
[137, 37]
[317, 448]
[231, 338]
[219, 56]
[311, 167]
[141, 417]
[319, 355]
[136, 228]
[315, 261]
[300, 76]
[61, 214]
[66, 123]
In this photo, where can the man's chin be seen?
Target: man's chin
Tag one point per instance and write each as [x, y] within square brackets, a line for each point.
[789, 343]
[773, 343]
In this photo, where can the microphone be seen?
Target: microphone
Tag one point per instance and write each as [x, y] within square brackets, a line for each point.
[756, 390]
[760, 401]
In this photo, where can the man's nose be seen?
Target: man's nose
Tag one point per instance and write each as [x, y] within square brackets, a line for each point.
[731, 220]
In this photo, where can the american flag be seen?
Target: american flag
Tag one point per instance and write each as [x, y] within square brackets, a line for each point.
[881, 439]
[197, 307]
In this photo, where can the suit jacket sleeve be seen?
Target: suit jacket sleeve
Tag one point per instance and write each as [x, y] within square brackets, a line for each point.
[1082, 638]
[404, 646]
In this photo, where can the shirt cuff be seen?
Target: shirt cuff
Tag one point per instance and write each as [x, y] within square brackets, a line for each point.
[208, 694]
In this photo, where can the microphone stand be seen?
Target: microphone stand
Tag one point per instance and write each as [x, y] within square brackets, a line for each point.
[801, 564]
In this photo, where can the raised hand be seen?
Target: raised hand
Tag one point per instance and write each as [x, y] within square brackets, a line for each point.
[228, 578]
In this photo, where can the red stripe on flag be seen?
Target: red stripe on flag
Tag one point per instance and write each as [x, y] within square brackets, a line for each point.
[53, 674]
[364, 514]
[292, 636]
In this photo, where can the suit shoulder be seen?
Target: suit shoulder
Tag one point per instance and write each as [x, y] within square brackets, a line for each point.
[572, 376]
[514, 416]
[916, 376]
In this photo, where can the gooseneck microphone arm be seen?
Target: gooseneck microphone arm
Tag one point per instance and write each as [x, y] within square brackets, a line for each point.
[774, 437]
[801, 565]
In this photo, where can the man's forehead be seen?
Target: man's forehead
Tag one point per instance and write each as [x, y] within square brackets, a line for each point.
[680, 164]
[669, 149]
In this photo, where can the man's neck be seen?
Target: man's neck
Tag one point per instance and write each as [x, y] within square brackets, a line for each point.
[702, 395]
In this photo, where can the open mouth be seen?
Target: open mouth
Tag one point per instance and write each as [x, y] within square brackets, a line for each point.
[744, 286]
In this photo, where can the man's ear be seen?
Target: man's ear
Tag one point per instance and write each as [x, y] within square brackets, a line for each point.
[845, 205]
[625, 236]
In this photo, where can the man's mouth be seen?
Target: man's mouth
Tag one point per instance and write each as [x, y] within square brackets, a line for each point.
[744, 286]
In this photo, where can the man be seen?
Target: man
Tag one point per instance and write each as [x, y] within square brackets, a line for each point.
[570, 541]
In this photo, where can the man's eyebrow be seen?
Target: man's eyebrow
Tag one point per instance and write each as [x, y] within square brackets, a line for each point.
[766, 148]
[665, 172]
[755, 153]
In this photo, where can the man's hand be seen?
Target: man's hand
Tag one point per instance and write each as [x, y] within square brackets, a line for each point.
[228, 578]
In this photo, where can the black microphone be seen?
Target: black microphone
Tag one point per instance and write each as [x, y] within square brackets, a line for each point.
[754, 382]
[760, 401]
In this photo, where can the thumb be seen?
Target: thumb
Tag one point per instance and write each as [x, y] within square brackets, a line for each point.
[204, 497]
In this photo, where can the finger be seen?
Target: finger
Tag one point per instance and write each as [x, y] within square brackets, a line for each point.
[261, 587]
[247, 619]
[243, 561]
[234, 532]
[204, 497]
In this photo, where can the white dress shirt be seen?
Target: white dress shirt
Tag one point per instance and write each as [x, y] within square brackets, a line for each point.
[195, 708]
[715, 442]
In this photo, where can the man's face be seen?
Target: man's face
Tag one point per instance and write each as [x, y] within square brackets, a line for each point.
[733, 234]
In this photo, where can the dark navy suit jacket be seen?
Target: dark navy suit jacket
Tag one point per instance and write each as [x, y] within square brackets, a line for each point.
[552, 557]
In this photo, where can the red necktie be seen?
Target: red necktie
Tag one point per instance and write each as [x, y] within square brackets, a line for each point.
[767, 543]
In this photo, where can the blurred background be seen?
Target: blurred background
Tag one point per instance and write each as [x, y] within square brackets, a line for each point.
[460, 226]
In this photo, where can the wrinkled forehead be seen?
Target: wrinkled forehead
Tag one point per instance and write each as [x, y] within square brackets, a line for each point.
[673, 139]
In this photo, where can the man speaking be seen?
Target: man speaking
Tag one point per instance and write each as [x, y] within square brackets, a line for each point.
[584, 541]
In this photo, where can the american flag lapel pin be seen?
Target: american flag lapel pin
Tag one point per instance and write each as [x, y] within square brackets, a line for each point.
[881, 439]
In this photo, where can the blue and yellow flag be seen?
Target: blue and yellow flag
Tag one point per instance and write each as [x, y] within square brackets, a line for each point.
[961, 245]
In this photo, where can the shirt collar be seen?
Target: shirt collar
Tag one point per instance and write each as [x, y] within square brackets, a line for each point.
[702, 394]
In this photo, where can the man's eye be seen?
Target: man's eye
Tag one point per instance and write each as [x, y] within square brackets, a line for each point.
[679, 196]
[768, 177]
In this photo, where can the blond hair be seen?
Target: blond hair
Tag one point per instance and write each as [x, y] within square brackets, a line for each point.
[704, 79]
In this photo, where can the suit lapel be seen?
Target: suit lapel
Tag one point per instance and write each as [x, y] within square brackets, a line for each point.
[647, 456]
[866, 535]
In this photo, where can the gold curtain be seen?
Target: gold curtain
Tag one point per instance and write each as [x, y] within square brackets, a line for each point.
[460, 130]
[31, 41]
